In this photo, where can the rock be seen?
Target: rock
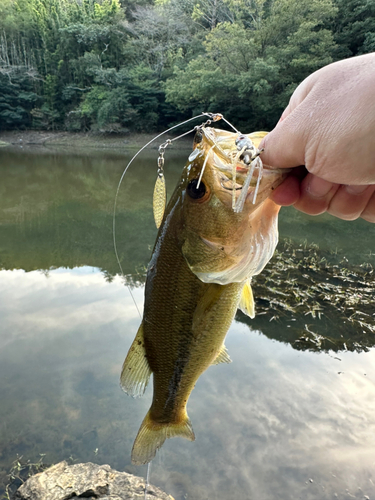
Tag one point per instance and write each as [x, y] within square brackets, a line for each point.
[89, 481]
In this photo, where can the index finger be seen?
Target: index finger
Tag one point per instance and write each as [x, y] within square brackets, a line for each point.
[284, 146]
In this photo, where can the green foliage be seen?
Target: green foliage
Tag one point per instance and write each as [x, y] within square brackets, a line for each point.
[137, 65]
[17, 99]
[354, 29]
[161, 35]
[252, 73]
[121, 100]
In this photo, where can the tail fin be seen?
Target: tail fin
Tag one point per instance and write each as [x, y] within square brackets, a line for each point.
[151, 437]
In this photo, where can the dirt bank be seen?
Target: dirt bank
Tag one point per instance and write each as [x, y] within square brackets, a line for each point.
[32, 138]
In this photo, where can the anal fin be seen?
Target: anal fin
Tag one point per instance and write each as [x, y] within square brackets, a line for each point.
[136, 371]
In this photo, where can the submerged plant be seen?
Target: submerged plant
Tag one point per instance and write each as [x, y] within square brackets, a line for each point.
[19, 472]
[328, 301]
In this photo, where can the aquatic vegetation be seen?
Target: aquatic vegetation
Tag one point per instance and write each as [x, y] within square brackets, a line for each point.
[319, 290]
[19, 472]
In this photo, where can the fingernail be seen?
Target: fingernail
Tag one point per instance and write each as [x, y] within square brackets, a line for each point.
[318, 187]
[355, 189]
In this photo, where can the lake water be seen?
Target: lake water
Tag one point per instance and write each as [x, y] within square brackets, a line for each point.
[279, 422]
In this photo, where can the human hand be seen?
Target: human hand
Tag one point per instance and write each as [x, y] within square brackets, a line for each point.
[329, 127]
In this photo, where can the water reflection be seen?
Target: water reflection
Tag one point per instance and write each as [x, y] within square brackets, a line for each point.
[276, 423]
[61, 353]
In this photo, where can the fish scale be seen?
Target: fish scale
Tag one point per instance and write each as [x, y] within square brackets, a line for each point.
[199, 274]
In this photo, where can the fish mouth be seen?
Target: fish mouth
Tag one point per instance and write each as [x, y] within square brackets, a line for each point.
[267, 174]
[267, 171]
[263, 181]
[237, 167]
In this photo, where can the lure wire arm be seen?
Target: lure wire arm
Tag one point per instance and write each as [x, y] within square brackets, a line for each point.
[212, 117]
[120, 182]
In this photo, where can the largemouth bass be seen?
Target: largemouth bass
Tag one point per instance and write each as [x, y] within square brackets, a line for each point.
[205, 254]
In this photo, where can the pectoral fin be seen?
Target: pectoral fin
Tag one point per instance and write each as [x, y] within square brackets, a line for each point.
[136, 371]
[222, 357]
[247, 301]
[206, 306]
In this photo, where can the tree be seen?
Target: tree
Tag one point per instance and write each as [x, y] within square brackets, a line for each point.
[354, 27]
[122, 99]
[160, 35]
[249, 74]
[17, 99]
[142, 64]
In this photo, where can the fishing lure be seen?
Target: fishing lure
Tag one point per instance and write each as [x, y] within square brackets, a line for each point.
[247, 155]
[160, 192]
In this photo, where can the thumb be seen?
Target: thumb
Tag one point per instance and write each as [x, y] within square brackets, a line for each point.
[284, 147]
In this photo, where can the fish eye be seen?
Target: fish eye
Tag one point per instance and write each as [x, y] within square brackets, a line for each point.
[198, 138]
[196, 193]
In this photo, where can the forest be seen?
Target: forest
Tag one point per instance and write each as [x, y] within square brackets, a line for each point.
[119, 66]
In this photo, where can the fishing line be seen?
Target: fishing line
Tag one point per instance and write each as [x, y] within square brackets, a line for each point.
[147, 483]
[214, 117]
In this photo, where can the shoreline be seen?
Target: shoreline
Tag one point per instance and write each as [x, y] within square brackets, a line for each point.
[32, 139]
